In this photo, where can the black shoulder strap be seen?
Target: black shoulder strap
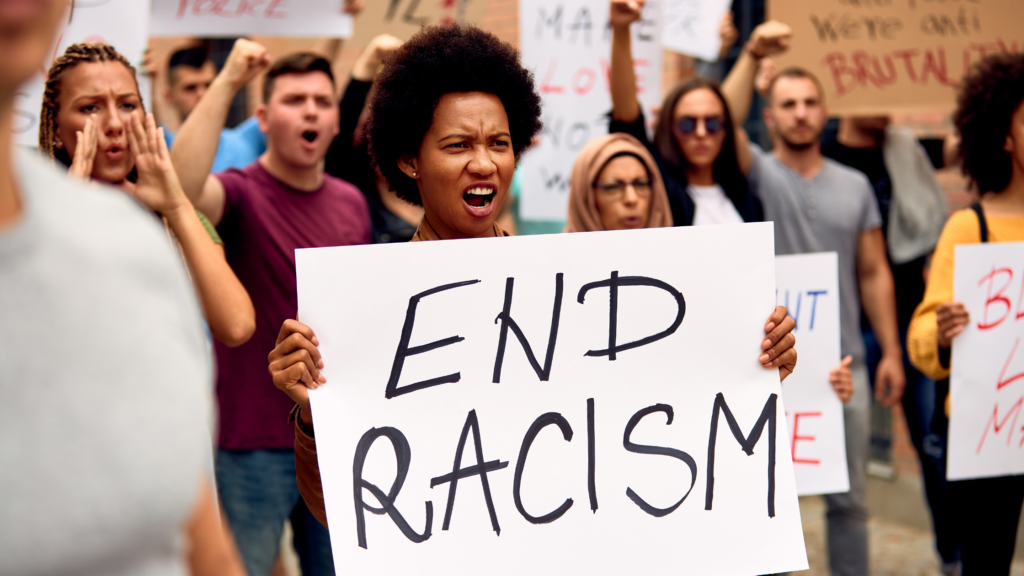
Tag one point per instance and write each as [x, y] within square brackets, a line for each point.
[981, 221]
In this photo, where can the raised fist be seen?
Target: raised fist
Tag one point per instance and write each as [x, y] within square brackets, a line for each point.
[769, 39]
[246, 60]
[624, 12]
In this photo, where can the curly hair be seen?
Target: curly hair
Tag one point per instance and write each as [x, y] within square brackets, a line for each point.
[439, 60]
[75, 54]
[989, 96]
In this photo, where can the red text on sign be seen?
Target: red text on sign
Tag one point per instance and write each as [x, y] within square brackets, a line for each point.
[798, 438]
[997, 425]
[233, 8]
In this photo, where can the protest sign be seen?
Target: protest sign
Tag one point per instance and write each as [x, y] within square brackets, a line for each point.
[120, 23]
[881, 56]
[403, 18]
[231, 18]
[613, 420]
[808, 286]
[567, 45]
[986, 438]
[691, 27]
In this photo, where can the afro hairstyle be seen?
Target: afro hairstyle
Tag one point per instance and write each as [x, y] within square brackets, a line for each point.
[988, 98]
[440, 60]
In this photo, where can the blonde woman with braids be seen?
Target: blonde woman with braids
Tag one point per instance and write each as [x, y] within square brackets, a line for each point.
[92, 121]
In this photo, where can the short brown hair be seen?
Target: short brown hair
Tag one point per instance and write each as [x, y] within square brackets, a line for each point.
[298, 63]
[795, 73]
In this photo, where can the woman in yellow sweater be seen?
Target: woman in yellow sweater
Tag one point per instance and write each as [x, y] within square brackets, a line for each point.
[990, 119]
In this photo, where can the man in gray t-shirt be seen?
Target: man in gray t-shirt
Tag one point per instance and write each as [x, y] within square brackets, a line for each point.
[821, 206]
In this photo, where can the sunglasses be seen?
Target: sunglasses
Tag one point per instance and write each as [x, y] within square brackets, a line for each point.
[712, 125]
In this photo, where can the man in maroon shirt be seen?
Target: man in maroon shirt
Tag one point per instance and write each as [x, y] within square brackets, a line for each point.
[281, 202]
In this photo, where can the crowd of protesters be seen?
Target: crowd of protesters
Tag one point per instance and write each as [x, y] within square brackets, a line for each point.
[109, 404]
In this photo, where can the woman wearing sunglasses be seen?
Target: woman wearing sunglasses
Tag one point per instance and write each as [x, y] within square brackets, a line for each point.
[694, 146]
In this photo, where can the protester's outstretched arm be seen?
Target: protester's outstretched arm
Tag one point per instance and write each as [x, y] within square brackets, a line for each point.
[211, 548]
[195, 145]
[878, 295]
[226, 304]
[625, 104]
[738, 88]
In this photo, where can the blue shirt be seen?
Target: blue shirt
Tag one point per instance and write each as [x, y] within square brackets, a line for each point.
[238, 147]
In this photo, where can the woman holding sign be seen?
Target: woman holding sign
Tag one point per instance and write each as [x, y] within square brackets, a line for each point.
[694, 144]
[990, 121]
[454, 108]
[93, 122]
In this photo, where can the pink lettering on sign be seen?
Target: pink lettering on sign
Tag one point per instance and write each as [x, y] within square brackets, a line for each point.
[232, 8]
[1003, 380]
[997, 425]
[998, 298]
[797, 437]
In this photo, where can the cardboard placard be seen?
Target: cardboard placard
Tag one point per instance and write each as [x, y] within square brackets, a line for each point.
[597, 426]
[875, 57]
[691, 27]
[808, 286]
[403, 18]
[232, 18]
[120, 23]
[986, 437]
[567, 45]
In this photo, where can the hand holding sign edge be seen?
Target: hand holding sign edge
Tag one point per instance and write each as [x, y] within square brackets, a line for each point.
[780, 344]
[294, 364]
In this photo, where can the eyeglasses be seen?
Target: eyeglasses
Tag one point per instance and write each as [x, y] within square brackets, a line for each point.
[712, 124]
[615, 190]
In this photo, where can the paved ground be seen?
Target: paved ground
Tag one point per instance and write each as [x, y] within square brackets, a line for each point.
[896, 550]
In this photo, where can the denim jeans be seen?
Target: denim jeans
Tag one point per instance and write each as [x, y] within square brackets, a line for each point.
[258, 492]
[920, 403]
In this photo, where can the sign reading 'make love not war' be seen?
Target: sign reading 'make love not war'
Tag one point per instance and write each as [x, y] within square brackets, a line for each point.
[553, 404]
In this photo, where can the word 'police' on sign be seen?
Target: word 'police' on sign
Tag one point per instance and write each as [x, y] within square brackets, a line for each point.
[565, 403]
[880, 56]
[808, 286]
[986, 430]
[231, 18]
[567, 45]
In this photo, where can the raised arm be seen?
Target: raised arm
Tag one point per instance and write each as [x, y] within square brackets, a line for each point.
[195, 145]
[625, 104]
[766, 40]
[878, 295]
[226, 304]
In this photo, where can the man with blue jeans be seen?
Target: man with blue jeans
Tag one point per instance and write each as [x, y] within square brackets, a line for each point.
[822, 206]
[913, 208]
[264, 212]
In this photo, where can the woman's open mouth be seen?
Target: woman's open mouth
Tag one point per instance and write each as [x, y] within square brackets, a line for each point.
[479, 197]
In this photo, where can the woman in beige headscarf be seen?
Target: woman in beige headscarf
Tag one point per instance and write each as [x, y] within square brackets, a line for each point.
[616, 185]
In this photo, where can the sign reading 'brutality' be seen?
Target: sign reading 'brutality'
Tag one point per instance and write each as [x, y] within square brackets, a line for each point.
[986, 436]
[880, 56]
[567, 45]
[808, 286]
[566, 403]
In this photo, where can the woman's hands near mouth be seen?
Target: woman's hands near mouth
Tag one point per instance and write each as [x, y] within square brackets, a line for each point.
[158, 187]
[85, 150]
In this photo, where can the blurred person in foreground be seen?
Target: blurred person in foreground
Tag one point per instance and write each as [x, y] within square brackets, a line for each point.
[819, 205]
[103, 427]
[990, 122]
[454, 109]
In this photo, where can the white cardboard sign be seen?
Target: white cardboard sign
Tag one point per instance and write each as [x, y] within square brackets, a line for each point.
[808, 286]
[567, 45]
[120, 23]
[691, 27]
[595, 461]
[986, 436]
[231, 18]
